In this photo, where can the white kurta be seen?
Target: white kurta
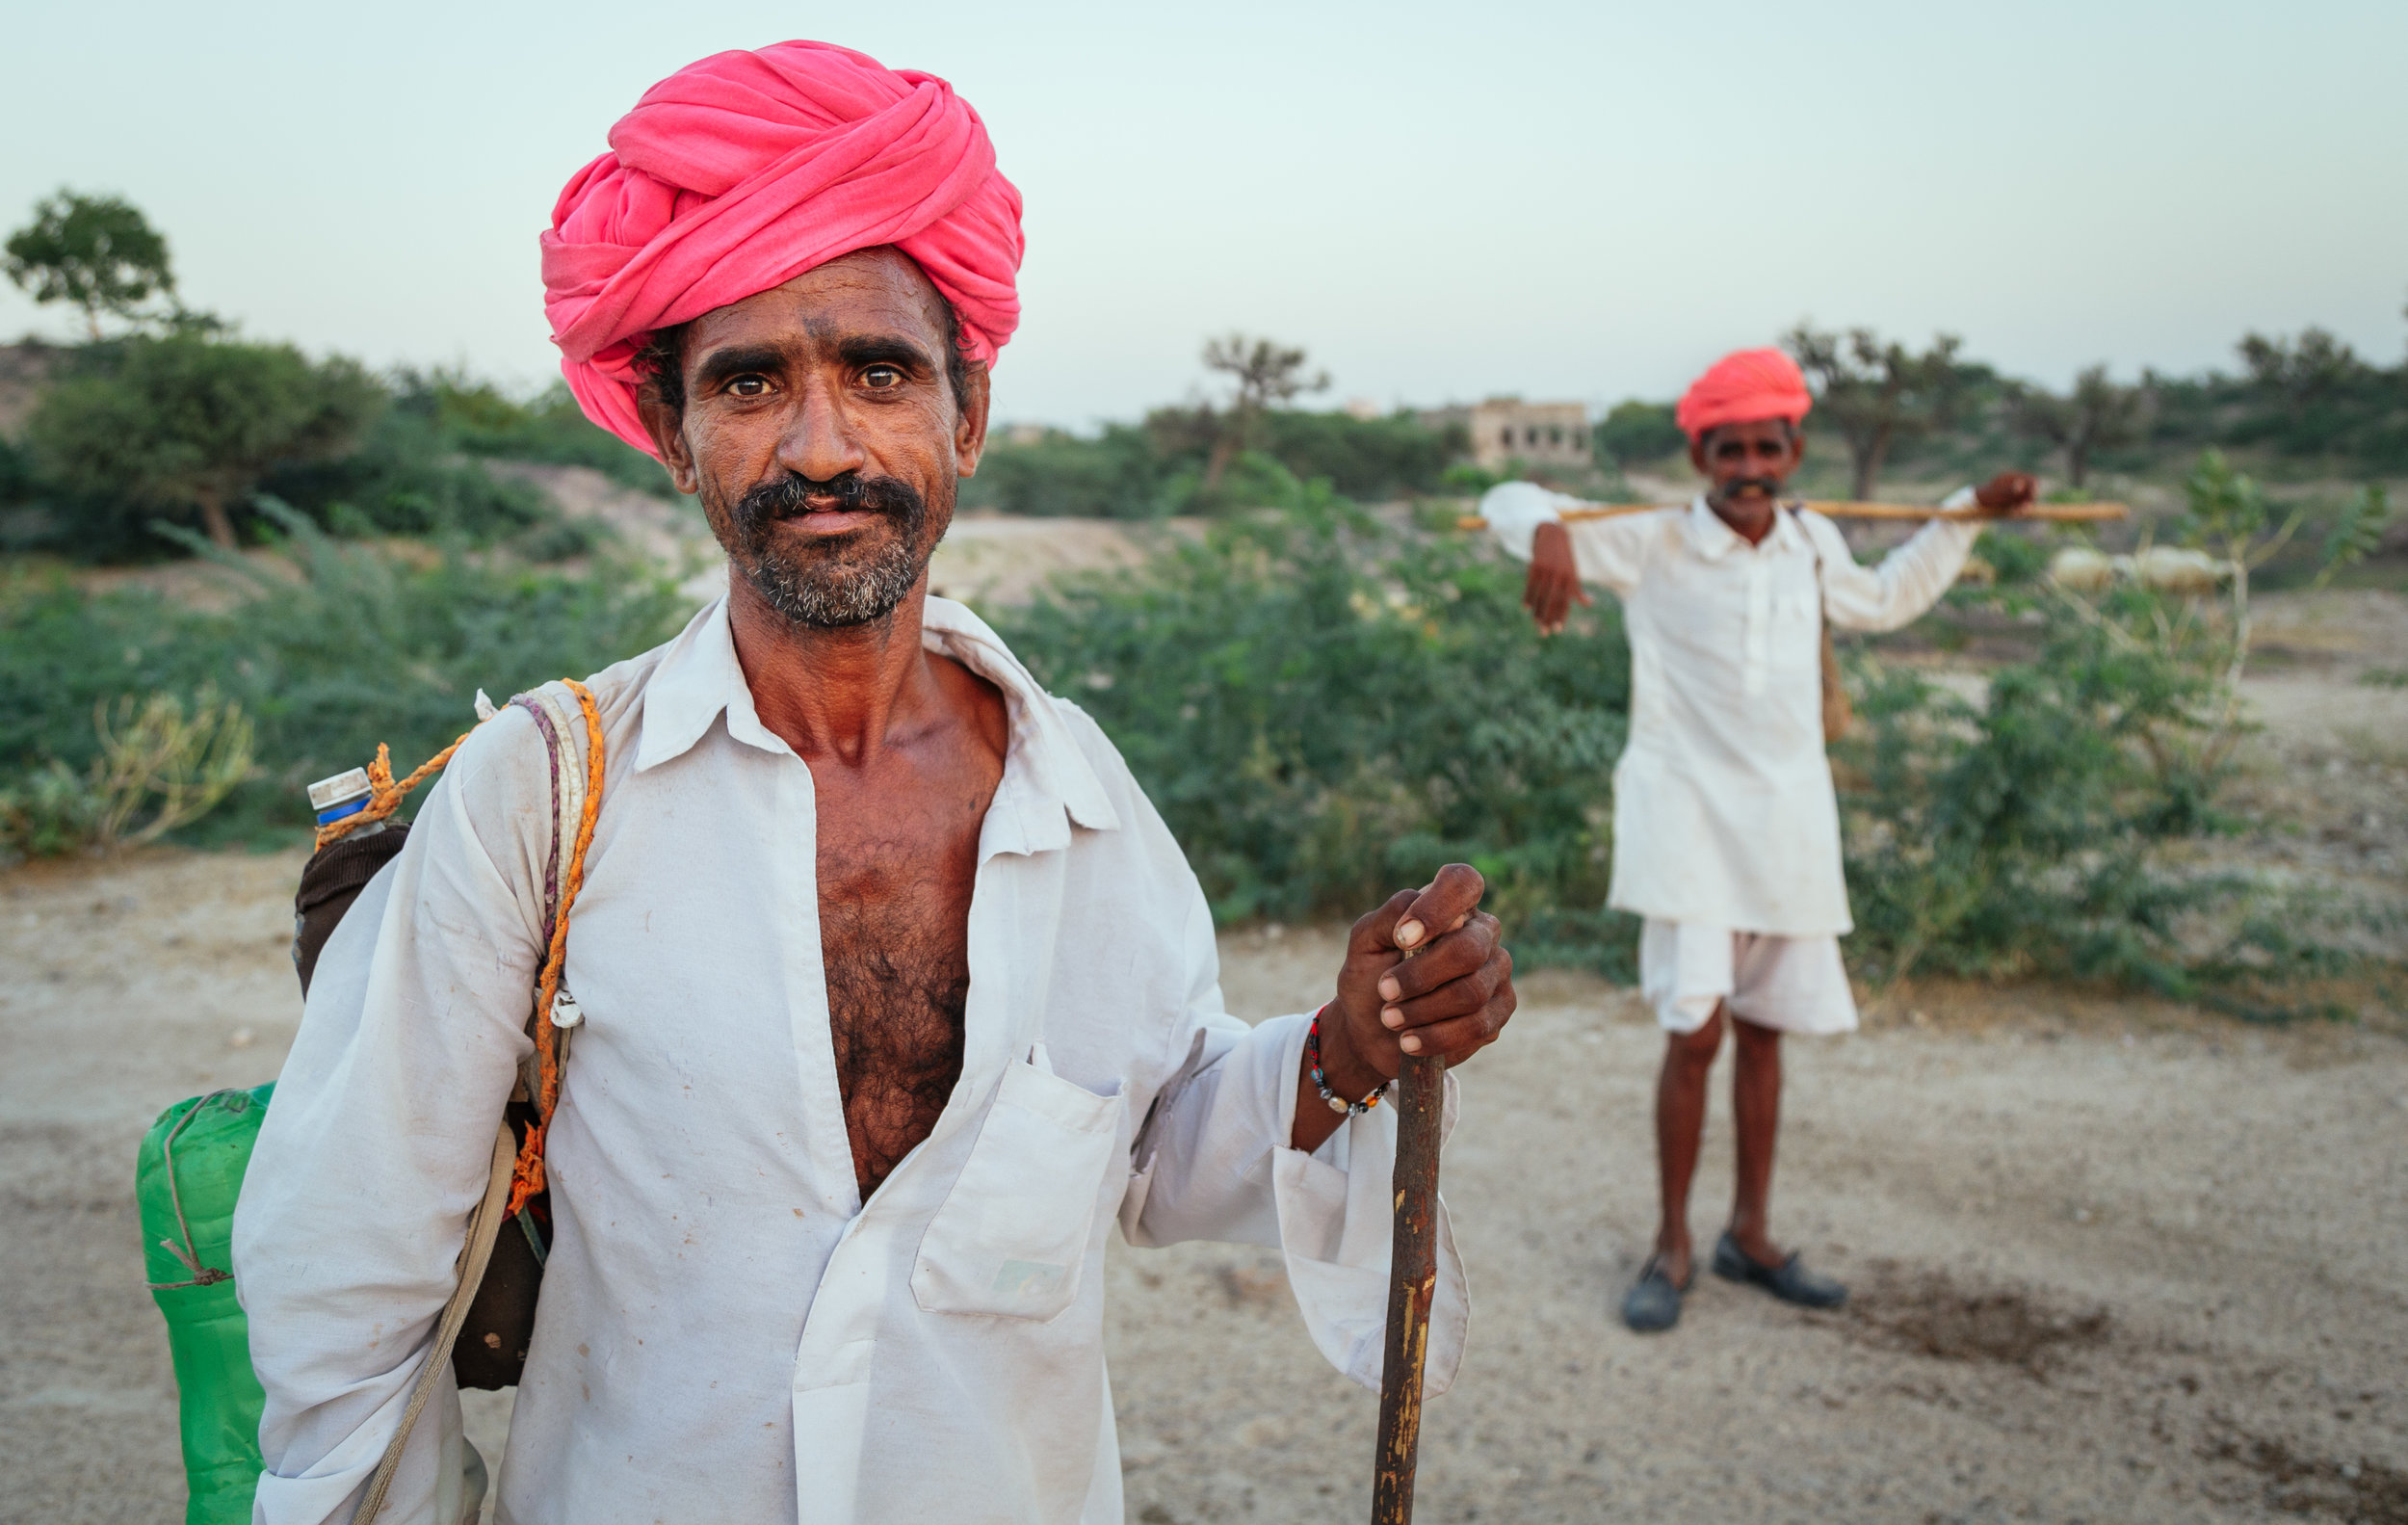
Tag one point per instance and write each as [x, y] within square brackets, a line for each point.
[726, 1331]
[1724, 811]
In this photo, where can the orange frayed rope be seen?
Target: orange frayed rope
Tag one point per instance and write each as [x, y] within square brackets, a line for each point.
[527, 1174]
[385, 796]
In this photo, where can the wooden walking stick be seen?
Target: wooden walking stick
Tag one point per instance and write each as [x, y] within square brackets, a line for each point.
[2046, 513]
[1412, 1281]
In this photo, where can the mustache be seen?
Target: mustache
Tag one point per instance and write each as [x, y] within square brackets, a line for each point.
[1769, 487]
[786, 496]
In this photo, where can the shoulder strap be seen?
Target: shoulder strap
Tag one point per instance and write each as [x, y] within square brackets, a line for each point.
[1838, 711]
[517, 1169]
[1813, 544]
[554, 1013]
[484, 1225]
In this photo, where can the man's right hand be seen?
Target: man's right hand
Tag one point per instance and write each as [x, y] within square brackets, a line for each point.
[1554, 584]
[2008, 492]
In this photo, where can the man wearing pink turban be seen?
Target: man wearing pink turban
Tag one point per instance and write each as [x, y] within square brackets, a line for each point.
[1726, 833]
[891, 992]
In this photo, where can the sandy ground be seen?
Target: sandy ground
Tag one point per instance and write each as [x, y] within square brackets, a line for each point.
[2112, 1261]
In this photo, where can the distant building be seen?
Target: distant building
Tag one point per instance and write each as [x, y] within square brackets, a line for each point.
[1506, 428]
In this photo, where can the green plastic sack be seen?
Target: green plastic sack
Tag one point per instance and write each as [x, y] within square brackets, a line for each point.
[188, 1230]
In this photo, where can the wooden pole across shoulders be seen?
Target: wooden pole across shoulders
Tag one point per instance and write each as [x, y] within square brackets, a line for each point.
[2044, 513]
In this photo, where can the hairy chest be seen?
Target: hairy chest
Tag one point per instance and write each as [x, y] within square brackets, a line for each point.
[895, 877]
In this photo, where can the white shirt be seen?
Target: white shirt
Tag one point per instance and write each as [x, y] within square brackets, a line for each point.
[1724, 811]
[726, 1331]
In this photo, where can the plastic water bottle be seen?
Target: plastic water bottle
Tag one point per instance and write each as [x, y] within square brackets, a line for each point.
[346, 793]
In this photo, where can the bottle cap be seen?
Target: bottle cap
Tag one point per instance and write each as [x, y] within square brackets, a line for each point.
[344, 794]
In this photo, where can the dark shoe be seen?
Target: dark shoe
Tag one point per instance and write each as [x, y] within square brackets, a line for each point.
[1654, 1306]
[1790, 1280]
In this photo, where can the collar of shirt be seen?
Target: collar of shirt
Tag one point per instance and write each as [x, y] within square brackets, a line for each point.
[1048, 782]
[1713, 540]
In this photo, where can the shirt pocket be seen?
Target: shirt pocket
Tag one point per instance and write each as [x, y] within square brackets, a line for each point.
[1012, 1237]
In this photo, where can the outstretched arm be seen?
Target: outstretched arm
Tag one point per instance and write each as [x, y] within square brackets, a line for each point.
[1910, 579]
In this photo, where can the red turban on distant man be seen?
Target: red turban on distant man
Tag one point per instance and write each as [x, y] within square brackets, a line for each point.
[739, 172]
[1740, 387]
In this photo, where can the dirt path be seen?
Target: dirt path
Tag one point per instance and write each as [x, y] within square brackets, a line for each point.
[2113, 1262]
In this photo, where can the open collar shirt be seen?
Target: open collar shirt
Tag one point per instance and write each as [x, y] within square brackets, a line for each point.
[1723, 810]
[726, 1330]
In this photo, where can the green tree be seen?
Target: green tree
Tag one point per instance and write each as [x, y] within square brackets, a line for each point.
[2097, 415]
[1267, 374]
[1636, 432]
[189, 421]
[1879, 395]
[96, 252]
[2303, 372]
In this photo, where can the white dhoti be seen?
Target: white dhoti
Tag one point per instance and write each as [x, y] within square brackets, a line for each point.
[1794, 985]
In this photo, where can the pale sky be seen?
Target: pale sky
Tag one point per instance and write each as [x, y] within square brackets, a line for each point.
[1440, 201]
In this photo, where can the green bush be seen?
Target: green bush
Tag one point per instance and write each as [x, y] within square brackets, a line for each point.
[1635, 432]
[25, 524]
[1145, 471]
[2021, 834]
[1325, 710]
[477, 418]
[410, 465]
[2056, 826]
[404, 479]
[189, 423]
[158, 769]
[49, 811]
[1116, 476]
[348, 645]
[1370, 460]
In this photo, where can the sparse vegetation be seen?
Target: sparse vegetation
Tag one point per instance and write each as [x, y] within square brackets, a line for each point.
[1324, 708]
[1323, 704]
[347, 645]
[176, 417]
[2040, 829]
[157, 769]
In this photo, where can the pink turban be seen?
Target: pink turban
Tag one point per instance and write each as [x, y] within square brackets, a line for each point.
[1740, 387]
[737, 173]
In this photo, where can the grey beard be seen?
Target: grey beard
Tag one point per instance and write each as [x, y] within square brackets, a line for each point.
[835, 596]
[841, 589]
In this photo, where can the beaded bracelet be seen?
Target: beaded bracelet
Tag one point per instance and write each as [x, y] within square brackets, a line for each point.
[1320, 1082]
